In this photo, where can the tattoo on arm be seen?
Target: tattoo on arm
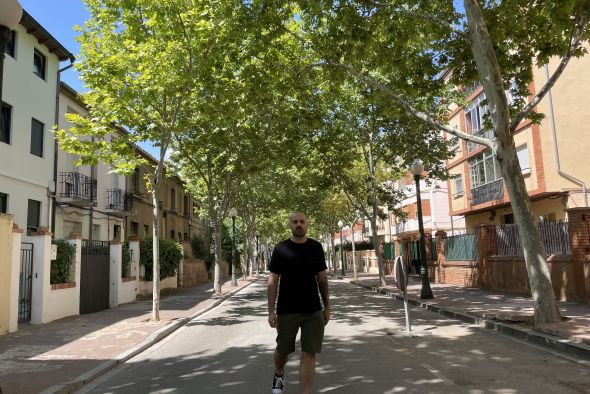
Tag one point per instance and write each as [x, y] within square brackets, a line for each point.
[324, 291]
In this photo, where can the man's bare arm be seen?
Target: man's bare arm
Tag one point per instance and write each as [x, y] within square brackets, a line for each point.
[273, 285]
[325, 293]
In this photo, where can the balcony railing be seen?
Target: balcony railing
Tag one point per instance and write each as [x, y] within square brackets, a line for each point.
[119, 201]
[77, 188]
[489, 192]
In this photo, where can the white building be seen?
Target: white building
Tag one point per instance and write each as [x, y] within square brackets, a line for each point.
[87, 197]
[27, 149]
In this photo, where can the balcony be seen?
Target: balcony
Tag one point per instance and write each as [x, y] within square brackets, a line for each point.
[489, 192]
[119, 202]
[77, 189]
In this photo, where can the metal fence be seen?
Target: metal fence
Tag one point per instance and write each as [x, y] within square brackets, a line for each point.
[461, 247]
[554, 236]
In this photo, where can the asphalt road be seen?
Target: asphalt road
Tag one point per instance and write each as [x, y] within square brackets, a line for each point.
[366, 350]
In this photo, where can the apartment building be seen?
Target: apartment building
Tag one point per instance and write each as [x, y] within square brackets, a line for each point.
[94, 202]
[551, 154]
[29, 111]
[90, 200]
[178, 219]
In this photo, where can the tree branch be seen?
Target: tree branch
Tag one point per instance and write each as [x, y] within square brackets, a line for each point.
[574, 44]
[431, 18]
[407, 106]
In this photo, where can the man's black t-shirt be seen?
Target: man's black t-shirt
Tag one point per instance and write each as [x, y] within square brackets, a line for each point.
[298, 264]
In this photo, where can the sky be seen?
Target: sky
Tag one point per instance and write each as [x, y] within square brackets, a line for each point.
[59, 17]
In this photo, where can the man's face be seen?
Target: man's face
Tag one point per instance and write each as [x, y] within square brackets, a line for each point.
[298, 224]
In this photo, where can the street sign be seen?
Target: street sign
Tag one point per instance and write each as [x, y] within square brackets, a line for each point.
[401, 280]
[401, 274]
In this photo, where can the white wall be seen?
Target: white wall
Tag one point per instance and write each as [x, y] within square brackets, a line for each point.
[102, 220]
[49, 304]
[23, 175]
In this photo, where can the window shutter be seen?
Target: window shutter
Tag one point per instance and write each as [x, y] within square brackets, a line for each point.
[33, 214]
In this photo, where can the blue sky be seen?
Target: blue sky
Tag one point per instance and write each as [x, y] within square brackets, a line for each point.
[59, 17]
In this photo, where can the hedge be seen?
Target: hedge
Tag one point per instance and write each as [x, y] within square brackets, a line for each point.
[170, 257]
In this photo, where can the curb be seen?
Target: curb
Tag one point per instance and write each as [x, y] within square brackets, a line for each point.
[567, 346]
[155, 337]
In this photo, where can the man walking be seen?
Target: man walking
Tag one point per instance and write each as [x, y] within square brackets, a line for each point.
[300, 265]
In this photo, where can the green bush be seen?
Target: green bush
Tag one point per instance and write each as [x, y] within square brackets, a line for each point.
[60, 267]
[126, 261]
[200, 250]
[170, 257]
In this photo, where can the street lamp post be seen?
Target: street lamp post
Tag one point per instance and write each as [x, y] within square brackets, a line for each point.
[340, 224]
[257, 234]
[425, 292]
[233, 213]
[10, 14]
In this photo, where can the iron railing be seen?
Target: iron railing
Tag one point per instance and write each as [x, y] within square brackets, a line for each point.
[489, 192]
[78, 187]
[461, 247]
[554, 236]
[119, 200]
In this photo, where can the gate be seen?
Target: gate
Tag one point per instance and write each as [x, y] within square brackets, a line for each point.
[25, 283]
[94, 276]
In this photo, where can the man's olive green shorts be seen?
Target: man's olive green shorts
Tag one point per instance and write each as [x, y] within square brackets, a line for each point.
[312, 332]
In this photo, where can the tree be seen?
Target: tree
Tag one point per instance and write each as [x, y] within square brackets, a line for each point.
[402, 48]
[140, 60]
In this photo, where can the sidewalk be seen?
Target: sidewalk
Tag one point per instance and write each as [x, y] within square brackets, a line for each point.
[507, 313]
[41, 357]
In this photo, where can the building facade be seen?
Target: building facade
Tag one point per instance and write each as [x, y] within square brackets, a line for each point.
[550, 154]
[29, 111]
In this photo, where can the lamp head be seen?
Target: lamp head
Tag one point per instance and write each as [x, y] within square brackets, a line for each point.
[10, 13]
[417, 167]
[233, 212]
[340, 224]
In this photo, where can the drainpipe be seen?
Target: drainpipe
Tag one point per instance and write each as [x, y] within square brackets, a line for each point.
[555, 149]
[53, 195]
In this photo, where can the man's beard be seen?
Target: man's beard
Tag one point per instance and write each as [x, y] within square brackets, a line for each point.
[298, 232]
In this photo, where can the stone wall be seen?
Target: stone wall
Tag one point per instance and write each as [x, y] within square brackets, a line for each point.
[194, 272]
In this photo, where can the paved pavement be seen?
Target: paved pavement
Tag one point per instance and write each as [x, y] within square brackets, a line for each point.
[366, 350]
[66, 354]
[508, 313]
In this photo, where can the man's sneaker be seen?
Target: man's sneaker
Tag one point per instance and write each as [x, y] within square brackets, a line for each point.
[277, 384]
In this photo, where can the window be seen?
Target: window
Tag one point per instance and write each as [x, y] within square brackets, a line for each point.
[116, 232]
[458, 185]
[186, 206]
[146, 230]
[6, 123]
[474, 119]
[134, 228]
[186, 237]
[3, 202]
[179, 237]
[70, 227]
[523, 157]
[37, 129]
[135, 181]
[483, 169]
[172, 234]
[11, 44]
[33, 216]
[172, 200]
[39, 63]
